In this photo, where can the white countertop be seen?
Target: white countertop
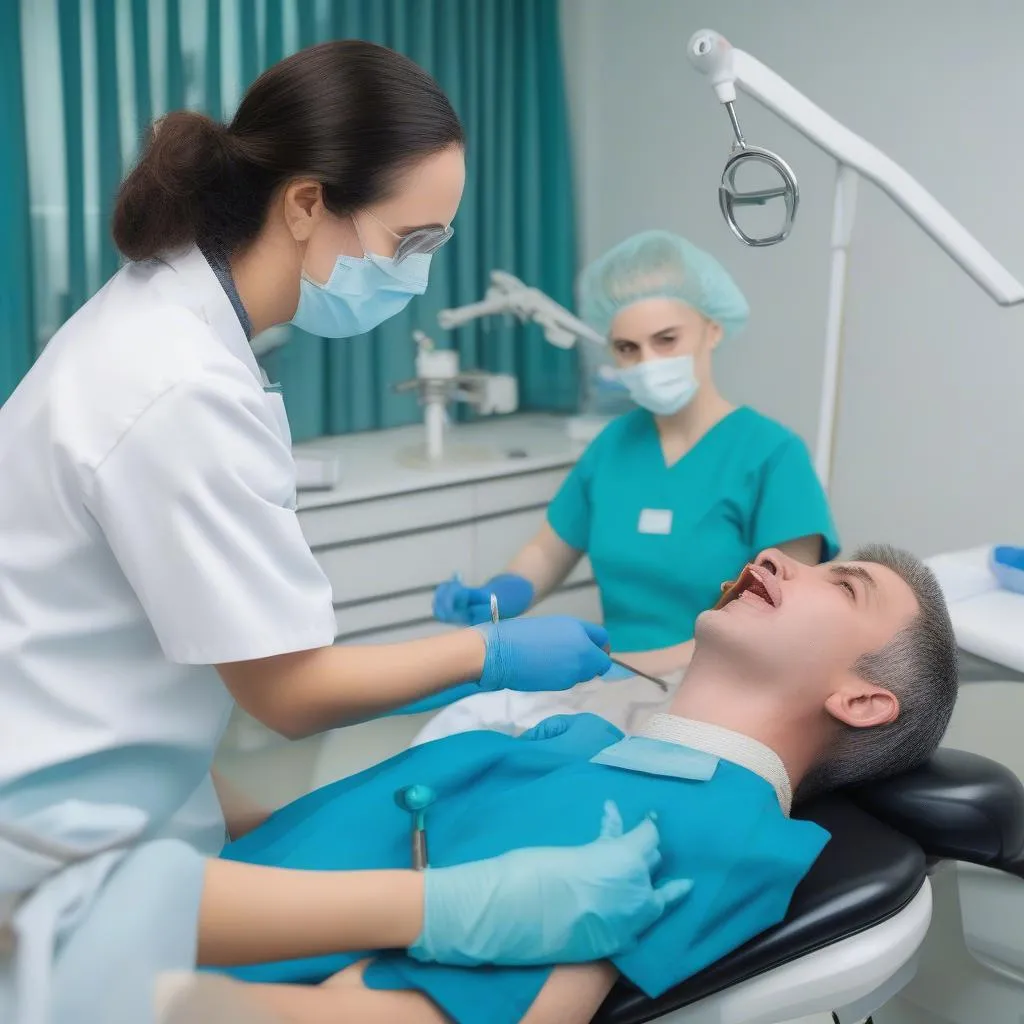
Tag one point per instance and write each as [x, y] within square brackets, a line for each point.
[381, 463]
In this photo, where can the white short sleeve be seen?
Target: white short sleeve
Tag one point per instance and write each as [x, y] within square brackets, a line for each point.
[194, 502]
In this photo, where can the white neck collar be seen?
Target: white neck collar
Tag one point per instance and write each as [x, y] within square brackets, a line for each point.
[724, 743]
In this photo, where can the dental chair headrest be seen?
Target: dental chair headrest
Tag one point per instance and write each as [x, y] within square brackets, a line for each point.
[957, 806]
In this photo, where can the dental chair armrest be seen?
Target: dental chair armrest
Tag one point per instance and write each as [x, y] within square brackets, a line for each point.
[957, 806]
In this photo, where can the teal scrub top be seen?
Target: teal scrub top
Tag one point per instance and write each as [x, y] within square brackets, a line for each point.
[662, 539]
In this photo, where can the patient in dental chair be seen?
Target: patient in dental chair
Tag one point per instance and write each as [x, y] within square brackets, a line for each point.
[804, 679]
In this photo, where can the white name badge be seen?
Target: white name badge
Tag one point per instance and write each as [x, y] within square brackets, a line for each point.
[655, 520]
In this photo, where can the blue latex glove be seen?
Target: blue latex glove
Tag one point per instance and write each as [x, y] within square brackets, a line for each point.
[548, 905]
[552, 653]
[545, 653]
[458, 604]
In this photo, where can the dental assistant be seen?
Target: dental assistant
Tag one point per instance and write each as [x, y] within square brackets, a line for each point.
[678, 495]
[153, 572]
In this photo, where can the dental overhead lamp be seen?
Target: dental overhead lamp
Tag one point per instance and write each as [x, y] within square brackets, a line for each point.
[726, 68]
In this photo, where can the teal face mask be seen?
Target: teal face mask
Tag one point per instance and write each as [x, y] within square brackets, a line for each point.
[362, 292]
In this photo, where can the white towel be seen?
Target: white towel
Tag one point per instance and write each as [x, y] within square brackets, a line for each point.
[989, 622]
[964, 574]
[626, 703]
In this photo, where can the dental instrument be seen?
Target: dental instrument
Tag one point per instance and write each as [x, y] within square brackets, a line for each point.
[439, 381]
[643, 675]
[510, 296]
[726, 67]
[615, 661]
[416, 800]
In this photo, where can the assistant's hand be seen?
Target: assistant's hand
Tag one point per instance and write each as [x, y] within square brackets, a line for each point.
[548, 905]
[458, 604]
[545, 653]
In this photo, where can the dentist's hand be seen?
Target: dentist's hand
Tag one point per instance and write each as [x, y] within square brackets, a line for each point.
[551, 653]
[548, 905]
[458, 604]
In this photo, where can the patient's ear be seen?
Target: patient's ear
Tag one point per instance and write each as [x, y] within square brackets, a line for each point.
[860, 704]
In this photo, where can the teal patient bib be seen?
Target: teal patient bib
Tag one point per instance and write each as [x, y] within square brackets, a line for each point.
[720, 826]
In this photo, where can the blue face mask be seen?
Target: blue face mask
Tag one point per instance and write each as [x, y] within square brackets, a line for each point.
[362, 292]
[662, 386]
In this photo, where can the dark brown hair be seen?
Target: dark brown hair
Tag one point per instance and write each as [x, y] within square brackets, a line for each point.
[349, 114]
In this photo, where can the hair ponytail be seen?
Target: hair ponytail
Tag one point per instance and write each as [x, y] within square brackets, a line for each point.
[168, 200]
[349, 114]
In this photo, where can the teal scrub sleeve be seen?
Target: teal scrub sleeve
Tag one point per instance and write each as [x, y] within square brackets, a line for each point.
[792, 503]
[569, 513]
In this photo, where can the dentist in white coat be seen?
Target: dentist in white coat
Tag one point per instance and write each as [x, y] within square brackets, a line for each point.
[152, 574]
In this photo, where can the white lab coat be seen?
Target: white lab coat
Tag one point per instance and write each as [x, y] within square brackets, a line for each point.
[147, 533]
[626, 703]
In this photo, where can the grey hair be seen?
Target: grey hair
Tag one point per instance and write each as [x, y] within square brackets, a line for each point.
[919, 666]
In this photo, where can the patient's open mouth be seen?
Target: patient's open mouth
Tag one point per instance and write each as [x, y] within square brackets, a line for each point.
[755, 584]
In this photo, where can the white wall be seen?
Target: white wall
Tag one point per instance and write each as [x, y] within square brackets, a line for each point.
[931, 422]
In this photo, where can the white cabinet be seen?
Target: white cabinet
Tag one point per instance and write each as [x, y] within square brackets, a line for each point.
[385, 555]
[396, 564]
[383, 575]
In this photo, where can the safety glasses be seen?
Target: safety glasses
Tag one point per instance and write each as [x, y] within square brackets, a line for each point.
[423, 240]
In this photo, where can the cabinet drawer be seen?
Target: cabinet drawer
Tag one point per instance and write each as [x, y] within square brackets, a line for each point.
[362, 520]
[499, 539]
[394, 565]
[356, 620]
[417, 510]
[508, 493]
[396, 632]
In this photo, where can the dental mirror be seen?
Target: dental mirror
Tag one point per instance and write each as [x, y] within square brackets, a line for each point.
[754, 181]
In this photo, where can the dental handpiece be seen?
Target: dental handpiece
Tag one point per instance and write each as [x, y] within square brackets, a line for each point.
[416, 800]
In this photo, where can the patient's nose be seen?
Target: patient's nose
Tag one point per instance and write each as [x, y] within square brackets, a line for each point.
[778, 564]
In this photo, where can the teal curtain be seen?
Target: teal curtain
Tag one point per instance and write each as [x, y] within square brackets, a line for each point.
[17, 328]
[123, 62]
[70, 26]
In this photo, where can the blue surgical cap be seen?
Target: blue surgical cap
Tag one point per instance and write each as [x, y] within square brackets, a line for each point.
[660, 265]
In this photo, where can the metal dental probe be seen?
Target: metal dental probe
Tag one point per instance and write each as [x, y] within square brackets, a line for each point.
[642, 675]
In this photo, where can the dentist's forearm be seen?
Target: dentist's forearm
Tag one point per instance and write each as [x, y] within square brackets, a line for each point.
[254, 914]
[305, 693]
